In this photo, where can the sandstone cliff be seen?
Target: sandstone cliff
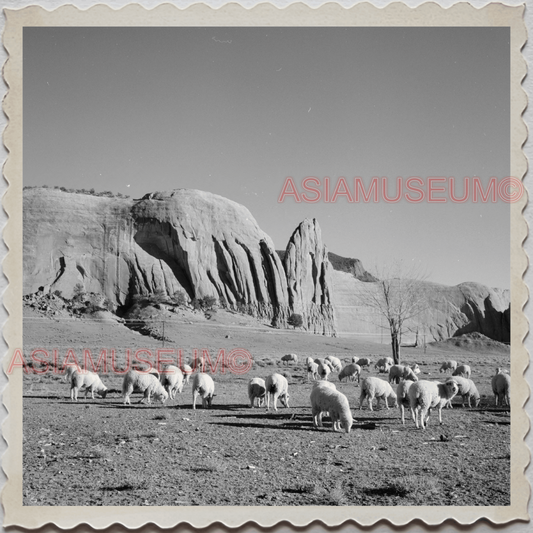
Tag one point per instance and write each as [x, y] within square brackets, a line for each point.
[309, 278]
[186, 240]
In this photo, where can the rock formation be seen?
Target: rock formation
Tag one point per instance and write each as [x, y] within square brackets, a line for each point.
[309, 278]
[186, 240]
[448, 311]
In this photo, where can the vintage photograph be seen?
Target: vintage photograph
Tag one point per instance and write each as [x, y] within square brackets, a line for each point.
[266, 266]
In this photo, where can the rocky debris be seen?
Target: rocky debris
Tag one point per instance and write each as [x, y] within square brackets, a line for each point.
[309, 279]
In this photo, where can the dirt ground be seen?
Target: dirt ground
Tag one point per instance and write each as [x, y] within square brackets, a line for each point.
[101, 452]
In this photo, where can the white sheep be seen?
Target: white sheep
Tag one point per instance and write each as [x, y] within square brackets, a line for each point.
[172, 380]
[425, 395]
[335, 362]
[402, 395]
[415, 368]
[146, 382]
[501, 387]
[89, 380]
[467, 390]
[290, 358]
[351, 372]
[322, 361]
[312, 368]
[383, 362]
[203, 386]
[276, 387]
[69, 371]
[398, 372]
[364, 361]
[325, 399]
[383, 365]
[372, 387]
[462, 370]
[355, 359]
[448, 365]
[256, 391]
[187, 372]
[324, 370]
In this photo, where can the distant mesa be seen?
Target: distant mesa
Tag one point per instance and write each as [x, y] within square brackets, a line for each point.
[202, 245]
[344, 264]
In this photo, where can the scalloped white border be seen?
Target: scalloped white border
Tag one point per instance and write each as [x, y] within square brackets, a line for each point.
[232, 14]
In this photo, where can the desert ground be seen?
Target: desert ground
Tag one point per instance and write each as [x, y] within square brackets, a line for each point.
[101, 452]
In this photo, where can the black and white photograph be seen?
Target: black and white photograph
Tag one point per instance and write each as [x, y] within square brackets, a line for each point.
[267, 266]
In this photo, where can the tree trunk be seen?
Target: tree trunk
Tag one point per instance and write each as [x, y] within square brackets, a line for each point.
[395, 347]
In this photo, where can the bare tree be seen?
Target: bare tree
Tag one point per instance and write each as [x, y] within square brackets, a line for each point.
[399, 297]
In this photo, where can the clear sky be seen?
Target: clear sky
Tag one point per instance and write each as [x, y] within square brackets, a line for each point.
[235, 111]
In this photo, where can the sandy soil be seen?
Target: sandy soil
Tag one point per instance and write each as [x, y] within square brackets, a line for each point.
[100, 452]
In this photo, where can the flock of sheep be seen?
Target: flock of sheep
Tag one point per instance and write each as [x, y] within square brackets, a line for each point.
[420, 396]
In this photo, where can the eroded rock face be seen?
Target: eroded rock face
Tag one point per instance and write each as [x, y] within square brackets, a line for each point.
[186, 240]
[309, 278]
[447, 311]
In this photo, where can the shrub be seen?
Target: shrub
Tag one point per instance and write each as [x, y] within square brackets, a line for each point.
[180, 298]
[78, 291]
[295, 320]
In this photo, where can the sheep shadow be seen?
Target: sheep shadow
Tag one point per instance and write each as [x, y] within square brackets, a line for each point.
[287, 426]
[265, 415]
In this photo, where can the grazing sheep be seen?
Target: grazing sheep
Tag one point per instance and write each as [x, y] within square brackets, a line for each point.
[398, 372]
[351, 372]
[204, 386]
[402, 395]
[312, 368]
[187, 371]
[148, 383]
[501, 387]
[384, 361]
[172, 380]
[325, 399]
[335, 363]
[372, 387]
[424, 395]
[256, 391]
[322, 361]
[468, 391]
[448, 365]
[415, 368]
[69, 371]
[355, 359]
[276, 387]
[290, 358]
[462, 370]
[364, 361]
[89, 380]
[383, 365]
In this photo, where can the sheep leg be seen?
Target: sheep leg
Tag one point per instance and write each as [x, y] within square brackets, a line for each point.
[370, 399]
[194, 396]
[275, 401]
[440, 415]
[361, 399]
[402, 410]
